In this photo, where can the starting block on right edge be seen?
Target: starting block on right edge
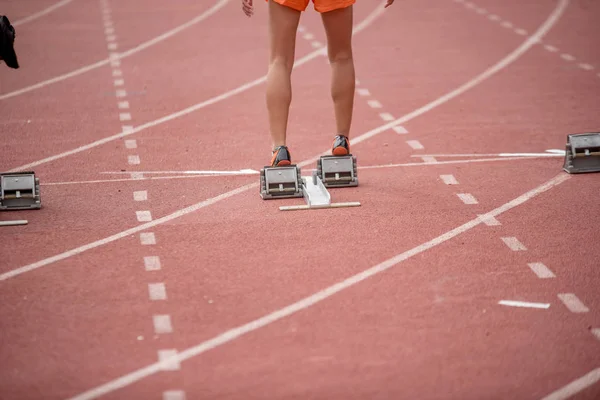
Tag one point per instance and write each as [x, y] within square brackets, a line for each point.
[582, 153]
[338, 171]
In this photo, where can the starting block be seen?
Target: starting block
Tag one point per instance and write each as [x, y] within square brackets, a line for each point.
[280, 182]
[337, 171]
[19, 191]
[582, 153]
[316, 196]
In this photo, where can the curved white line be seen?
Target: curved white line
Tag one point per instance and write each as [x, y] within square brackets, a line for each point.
[41, 13]
[220, 4]
[240, 89]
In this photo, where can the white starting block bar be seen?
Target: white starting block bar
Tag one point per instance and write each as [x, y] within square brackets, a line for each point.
[316, 196]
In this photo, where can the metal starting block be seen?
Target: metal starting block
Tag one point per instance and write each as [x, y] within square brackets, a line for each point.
[582, 153]
[317, 196]
[337, 171]
[19, 191]
[280, 182]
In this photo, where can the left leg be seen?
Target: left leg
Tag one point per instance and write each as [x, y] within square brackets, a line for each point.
[283, 23]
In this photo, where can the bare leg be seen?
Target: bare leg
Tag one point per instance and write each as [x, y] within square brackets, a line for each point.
[283, 23]
[338, 27]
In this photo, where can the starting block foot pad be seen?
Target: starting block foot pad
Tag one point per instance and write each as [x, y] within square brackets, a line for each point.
[338, 171]
[19, 191]
[280, 182]
[582, 153]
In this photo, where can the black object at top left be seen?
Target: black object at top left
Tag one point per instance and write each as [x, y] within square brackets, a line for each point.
[7, 40]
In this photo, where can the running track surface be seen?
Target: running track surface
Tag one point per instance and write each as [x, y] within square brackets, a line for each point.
[134, 284]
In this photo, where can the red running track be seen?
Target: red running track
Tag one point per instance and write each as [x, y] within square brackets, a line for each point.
[398, 298]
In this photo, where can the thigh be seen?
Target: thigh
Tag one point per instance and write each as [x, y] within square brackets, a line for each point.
[338, 28]
[324, 6]
[283, 24]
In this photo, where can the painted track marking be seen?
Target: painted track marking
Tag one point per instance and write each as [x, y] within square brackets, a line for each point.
[541, 270]
[576, 386]
[41, 13]
[157, 291]
[152, 263]
[449, 179]
[311, 300]
[573, 303]
[513, 303]
[514, 244]
[545, 27]
[467, 198]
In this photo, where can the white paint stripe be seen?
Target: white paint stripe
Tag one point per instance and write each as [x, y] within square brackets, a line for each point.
[111, 38]
[133, 160]
[112, 46]
[174, 395]
[489, 220]
[131, 144]
[506, 24]
[586, 67]
[41, 13]
[117, 72]
[481, 11]
[596, 332]
[553, 154]
[109, 31]
[429, 159]
[220, 4]
[152, 263]
[573, 303]
[123, 105]
[467, 198]
[141, 195]
[415, 144]
[137, 175]
[363, 92]
[551, 49]
[115, 63]
[494, 17]
[143, 216]
[308, 36]
[374, 104]
[316, 44]
[514, 244]
[449, 179]
[168, 360]
[386, 116]
[162, 324]
[301, 28]
[125, 116]
[400, 130]
[127, 128]
[541, 270]
[121, 93]
[313, 299]
[567, 57]
[513, 303]
[157, 291]
[521, 32]
[147, 238]
[576, 386]
[247, 171]
[119, 82]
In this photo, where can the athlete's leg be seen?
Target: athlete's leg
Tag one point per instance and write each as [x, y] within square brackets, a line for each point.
[338, 27]
[283, 23]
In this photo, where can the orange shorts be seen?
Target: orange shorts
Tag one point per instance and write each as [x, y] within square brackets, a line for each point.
[321, 6]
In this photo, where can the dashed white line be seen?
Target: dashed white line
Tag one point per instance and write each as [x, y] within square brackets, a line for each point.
[481, 11]
[147, 238]
[514, 244]
[399, 129]
[117, 72]
[596, 332]
[449, 179]
[131, 143]
[111, 38]
[386, 116]
[551, 48]
[123, 105]
[489, 220]
[573, 303]
[168, 360]
[586, 67]
[157, 291]
[316, 44]
[308, 36]
[141, 195]
[374, 104]
[162, 324]
[467, 198]
[125, 116]
[429, 159]
[119, 82]
[152, 263]
[127, 128]
[121, 93]
[363, 92]
[567, 57]
[174, 395]
[109, 31]
[494, 17]
[112, 46]
[521, 32]
[513, 303]
[143, 216]
[541, 270]
[415, 144]
[506, 24]
[133, 160]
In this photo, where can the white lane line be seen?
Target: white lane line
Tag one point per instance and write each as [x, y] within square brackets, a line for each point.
[308, 36]
[400, 130]
[546, 26]
[111, 38]
[586, 67]
[514, 244]
[152, 263]
[123, 105]
[162, 324]
[513, 303]
[141, 195]
[449, 179]
[550, 154]
[121, 93]
[567, 57]
[493, 17]
[137, 175]
[374, 104]
[541, 270]
[481, 11]
[127, 128]
[386, 116]
[596, 332]
[133, 160]
[551, 48]
[521, 32]
[415, 144]
[316, 44]
[157, 291]
[377, 12]
[506, 24]
[363, 92]
[429, 160]
[143, 216]
[131, 144]
[125, 116]
[247, 171]
[220, 4]
[174, 395]
[117, 72]
[109, 31]
[573, 303]
[119, 82]
[576, 386]
[112, 46]
[489, 220]
[467, 198]
[41, 13]
[313, 299]
[167, 360]
[147, 239]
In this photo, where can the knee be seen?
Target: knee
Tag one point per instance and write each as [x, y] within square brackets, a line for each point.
[281, 61]
[344, 56]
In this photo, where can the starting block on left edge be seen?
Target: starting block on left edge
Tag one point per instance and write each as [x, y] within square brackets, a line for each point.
[19, 191]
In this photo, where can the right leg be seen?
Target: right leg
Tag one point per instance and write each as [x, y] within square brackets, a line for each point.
[338, 28]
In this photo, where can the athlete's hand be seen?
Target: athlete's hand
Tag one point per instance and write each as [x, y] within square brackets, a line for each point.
[248, 7]
[389, 3]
